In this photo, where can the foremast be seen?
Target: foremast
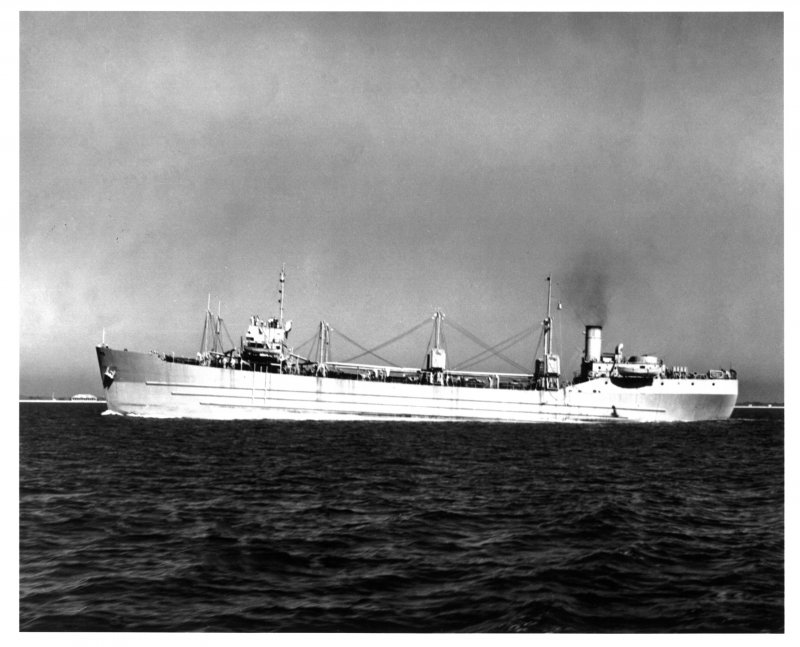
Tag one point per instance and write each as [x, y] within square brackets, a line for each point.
[264, 345]
[281, 293]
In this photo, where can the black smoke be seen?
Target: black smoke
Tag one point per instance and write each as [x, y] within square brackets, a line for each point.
[587, 286]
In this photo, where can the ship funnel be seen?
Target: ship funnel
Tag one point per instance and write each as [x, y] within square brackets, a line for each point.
[594, 342]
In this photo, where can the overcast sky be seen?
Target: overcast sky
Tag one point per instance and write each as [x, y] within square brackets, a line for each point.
[398, 163]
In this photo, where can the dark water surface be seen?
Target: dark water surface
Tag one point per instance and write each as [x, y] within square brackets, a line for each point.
[152, 525]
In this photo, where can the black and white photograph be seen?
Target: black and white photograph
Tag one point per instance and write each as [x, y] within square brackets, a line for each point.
[401, 321]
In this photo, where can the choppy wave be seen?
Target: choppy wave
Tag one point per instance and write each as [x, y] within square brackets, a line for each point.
[173, 525]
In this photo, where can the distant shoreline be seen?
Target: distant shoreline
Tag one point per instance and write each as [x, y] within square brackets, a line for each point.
[64, 401]
[758, 406]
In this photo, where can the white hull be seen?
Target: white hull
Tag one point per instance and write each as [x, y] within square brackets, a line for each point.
[146, 385]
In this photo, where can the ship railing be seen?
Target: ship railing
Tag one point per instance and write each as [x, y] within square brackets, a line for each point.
[475, 379]
[490, 374]
[373, 367]
[713, 374]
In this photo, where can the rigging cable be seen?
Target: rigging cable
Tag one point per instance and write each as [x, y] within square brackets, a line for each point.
[485, 346]
[367, 351]
[500, 346]
[538, 344]
[205, 329]
[230, 339]
[313, 351]
[371, 351]
[311, 341]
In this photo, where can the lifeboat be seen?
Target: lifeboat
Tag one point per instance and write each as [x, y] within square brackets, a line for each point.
[640, 366]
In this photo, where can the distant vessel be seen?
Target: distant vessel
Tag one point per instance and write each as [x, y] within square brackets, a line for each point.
[263, 378]
[84, 397]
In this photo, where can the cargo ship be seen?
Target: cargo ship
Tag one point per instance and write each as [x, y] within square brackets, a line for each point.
[263, 378]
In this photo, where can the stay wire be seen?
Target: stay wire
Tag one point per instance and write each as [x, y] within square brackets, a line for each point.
[538, 344]
[500, 346]
[367, 351]
[311, 341]
[371, 351]
[230, 339]
[485, 346]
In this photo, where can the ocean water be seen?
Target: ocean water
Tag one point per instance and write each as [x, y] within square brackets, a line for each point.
[153, 525]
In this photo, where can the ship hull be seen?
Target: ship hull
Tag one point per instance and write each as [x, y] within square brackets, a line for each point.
[145, 385]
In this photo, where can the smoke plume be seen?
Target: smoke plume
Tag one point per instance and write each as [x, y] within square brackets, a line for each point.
[588, 287]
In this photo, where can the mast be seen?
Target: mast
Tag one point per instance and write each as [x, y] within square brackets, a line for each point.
[436, 358]
[217, 343]
[281, 291]
[206, 331]
[321, 349]
[437, 327]
[547, 369]
[548, 322]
